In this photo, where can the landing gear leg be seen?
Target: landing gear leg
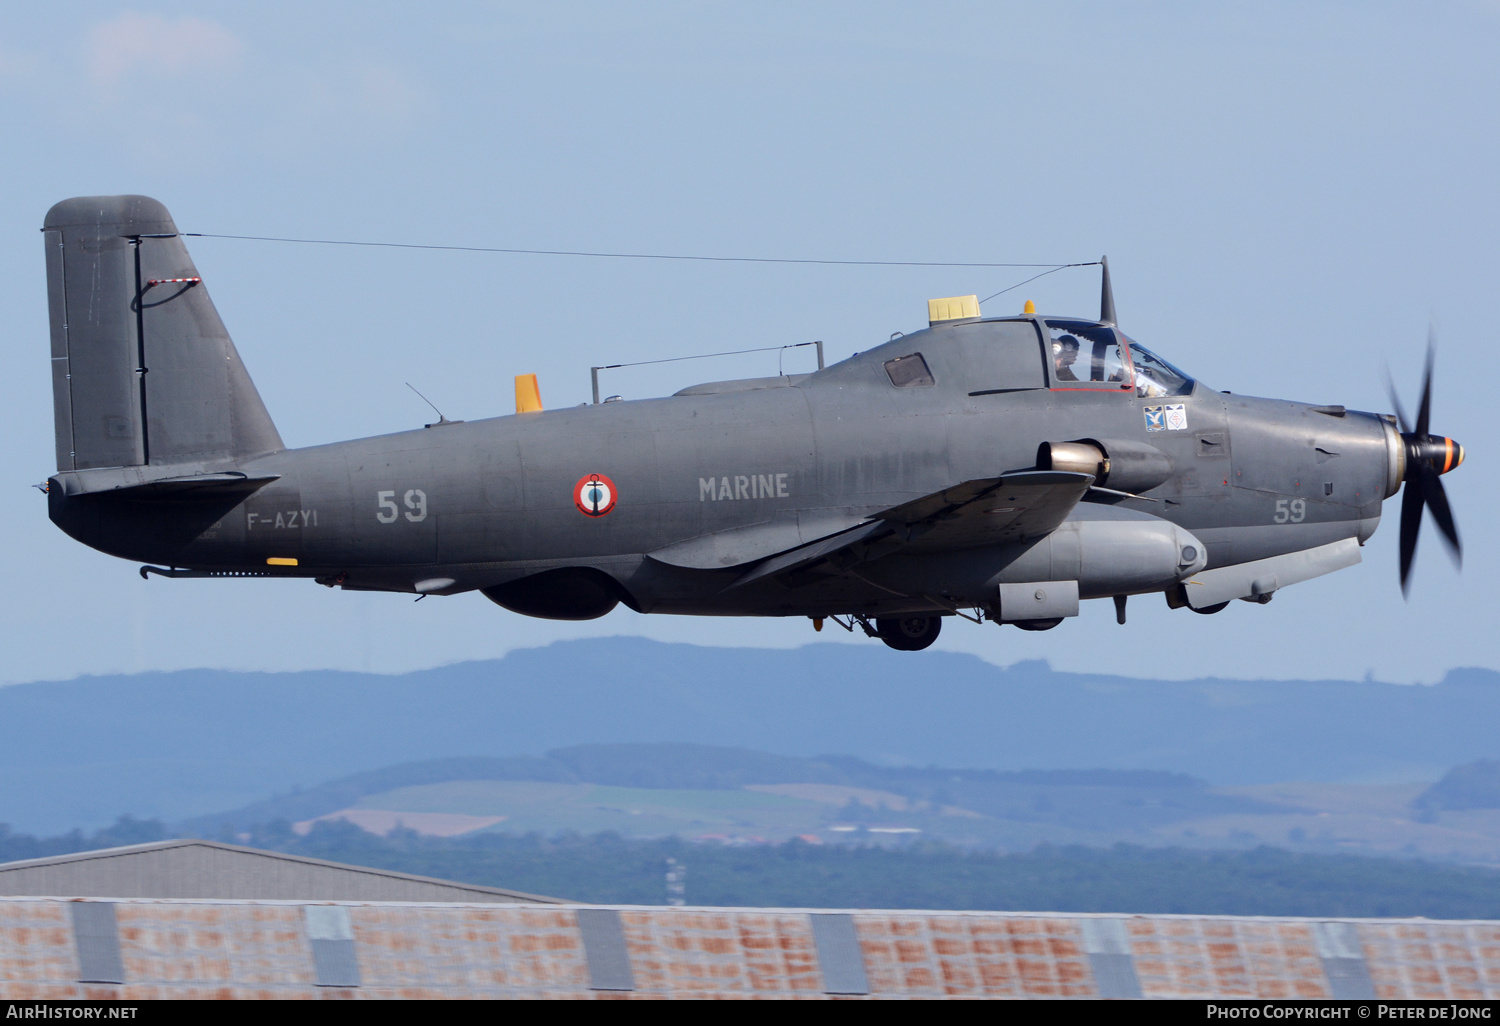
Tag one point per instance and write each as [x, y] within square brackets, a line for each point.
[851, 621]
[909, 633]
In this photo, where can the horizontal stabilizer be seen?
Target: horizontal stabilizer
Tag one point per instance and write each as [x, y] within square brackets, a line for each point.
[146, 483]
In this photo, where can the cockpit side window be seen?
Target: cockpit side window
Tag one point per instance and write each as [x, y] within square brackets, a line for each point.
[1086, 355]
[1155, 376]
[908, 371]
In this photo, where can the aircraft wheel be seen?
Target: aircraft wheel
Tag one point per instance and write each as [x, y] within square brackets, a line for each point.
[1038, 625]
[1208, 610]
[909, 633]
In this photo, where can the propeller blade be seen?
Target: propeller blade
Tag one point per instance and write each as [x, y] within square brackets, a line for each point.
[1442, 514]
[1424, 486]
[1390, 387]
[1424, 411]
[1411, 525]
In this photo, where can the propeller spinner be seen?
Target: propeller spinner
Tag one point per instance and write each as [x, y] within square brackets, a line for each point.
[1427, 458]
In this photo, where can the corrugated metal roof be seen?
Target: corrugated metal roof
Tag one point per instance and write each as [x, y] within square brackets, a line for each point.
[179, 948]
[208, 869]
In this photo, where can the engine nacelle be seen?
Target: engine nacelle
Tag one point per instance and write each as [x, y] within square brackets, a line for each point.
[1121, 464]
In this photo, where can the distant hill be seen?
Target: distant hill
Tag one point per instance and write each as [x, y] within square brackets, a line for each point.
[175, 745]
[1081, 798]
[1475, 785]
[736, 796]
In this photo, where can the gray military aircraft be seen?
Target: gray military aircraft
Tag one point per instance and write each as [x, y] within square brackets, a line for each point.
[997, 469]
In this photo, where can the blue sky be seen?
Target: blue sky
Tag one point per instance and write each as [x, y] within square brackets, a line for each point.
[1289, 195]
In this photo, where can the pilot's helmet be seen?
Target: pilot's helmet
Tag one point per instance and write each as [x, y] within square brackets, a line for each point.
[1064, 344]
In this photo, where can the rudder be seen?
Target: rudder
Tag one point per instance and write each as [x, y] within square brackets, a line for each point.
[143, 371]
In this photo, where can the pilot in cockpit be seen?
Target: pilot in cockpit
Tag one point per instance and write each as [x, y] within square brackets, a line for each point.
[1065, 354]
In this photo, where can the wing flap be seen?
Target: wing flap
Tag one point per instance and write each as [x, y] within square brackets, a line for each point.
[806, 555]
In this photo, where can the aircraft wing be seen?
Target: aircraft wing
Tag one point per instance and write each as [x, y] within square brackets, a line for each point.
[988, 511]
[742, 546]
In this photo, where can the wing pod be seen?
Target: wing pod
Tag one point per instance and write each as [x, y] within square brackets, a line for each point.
[1259, 580]
[1112, 551]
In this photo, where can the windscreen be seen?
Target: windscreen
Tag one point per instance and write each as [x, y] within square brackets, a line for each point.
[1155, 376]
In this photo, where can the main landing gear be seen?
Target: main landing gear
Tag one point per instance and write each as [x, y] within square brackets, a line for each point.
[903, 633]
[909, 633]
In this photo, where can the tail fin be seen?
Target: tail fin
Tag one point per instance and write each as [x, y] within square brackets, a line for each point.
[143, 372]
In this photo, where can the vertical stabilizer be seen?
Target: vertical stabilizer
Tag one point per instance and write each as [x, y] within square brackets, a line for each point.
[143, 371]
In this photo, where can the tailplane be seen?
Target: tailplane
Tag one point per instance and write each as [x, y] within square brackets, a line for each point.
[143, 372]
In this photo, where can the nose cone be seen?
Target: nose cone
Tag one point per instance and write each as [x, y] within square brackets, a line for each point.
[1455, 455]
[1439, 453]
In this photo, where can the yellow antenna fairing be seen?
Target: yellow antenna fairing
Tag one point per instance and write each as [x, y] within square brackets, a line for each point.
[953, 308]
[528, 394]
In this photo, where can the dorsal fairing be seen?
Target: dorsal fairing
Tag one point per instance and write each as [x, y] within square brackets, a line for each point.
[967, 356]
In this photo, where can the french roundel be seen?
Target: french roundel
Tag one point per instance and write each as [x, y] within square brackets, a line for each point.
[595, 495]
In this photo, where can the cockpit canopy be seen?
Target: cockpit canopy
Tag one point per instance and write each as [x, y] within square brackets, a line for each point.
[1087, 355]
[1002, 355]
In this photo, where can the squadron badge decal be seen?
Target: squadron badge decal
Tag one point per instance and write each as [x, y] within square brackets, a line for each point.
[1171, 417]
[594, 495]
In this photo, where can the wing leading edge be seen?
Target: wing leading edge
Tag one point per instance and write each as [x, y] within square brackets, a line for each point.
[987, 511]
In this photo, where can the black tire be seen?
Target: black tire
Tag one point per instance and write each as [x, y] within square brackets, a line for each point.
[1209, 610]
[909, 633]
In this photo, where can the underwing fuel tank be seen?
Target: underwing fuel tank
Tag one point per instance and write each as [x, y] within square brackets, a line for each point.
[1113, 551]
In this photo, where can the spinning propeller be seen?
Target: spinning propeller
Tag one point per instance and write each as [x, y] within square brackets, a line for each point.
[1426, 458]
